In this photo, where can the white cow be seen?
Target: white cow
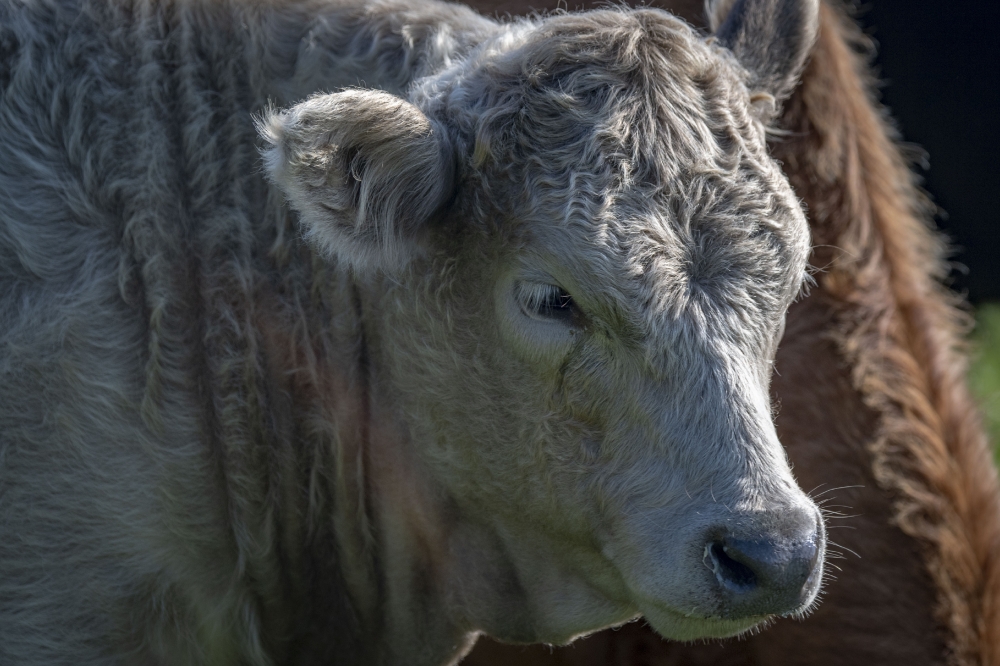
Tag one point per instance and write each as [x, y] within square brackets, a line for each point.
[512, 378]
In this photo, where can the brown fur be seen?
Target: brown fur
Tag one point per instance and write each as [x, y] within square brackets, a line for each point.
[872, 393]
[900, 330]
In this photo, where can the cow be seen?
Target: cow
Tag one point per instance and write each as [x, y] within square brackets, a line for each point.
[875, 414]
[343, 331]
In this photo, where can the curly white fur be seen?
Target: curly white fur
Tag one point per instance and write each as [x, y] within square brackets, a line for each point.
[218, 445]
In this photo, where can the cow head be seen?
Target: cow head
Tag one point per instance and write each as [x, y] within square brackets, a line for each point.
[580, 255]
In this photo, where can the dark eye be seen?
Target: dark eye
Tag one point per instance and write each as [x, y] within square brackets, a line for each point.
[545, 301]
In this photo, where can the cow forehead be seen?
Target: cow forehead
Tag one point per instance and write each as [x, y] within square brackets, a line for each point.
[592, 90]
[719, 255]
[631, 151]
[603, 100]
[624, 144]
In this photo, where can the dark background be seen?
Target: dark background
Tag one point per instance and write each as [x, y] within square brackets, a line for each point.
[940, 66]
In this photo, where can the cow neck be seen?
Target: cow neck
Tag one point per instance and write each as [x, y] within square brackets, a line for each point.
[363, 559]
[392, 534]
[282, 358]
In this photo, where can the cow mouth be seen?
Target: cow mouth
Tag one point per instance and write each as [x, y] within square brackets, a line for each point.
[715, 622]
[677, 626]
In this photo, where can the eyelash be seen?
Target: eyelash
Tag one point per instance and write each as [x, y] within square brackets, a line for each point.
[545, 301]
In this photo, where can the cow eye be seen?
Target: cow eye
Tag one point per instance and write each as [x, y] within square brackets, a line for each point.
[545, 301]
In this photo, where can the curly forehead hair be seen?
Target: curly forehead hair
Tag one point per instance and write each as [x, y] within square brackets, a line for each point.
[638, 129]
[635, 97]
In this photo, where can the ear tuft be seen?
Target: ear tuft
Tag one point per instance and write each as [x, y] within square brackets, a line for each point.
[364, 168]
[771, 39]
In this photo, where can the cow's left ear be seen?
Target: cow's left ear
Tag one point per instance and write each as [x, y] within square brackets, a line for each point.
[364, 168]
[770, 38]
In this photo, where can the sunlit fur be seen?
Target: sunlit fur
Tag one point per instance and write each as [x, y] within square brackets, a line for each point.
[875, 412]
[219, 445]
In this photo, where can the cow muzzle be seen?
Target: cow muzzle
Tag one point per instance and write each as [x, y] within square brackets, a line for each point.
[776, 570]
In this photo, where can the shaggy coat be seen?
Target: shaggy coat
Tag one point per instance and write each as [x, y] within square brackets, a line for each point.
[874, 412]
[514, 379]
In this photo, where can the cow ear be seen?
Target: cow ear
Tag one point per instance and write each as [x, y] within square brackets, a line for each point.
[770, 38]
[364, 168]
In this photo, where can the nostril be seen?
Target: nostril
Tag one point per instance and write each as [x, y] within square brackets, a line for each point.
[730, 573]
[764, 564]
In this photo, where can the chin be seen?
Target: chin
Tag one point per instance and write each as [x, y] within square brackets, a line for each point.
[677, 627]
[566, 633]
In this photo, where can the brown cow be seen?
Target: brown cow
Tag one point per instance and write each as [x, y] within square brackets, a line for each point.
[874, 409]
